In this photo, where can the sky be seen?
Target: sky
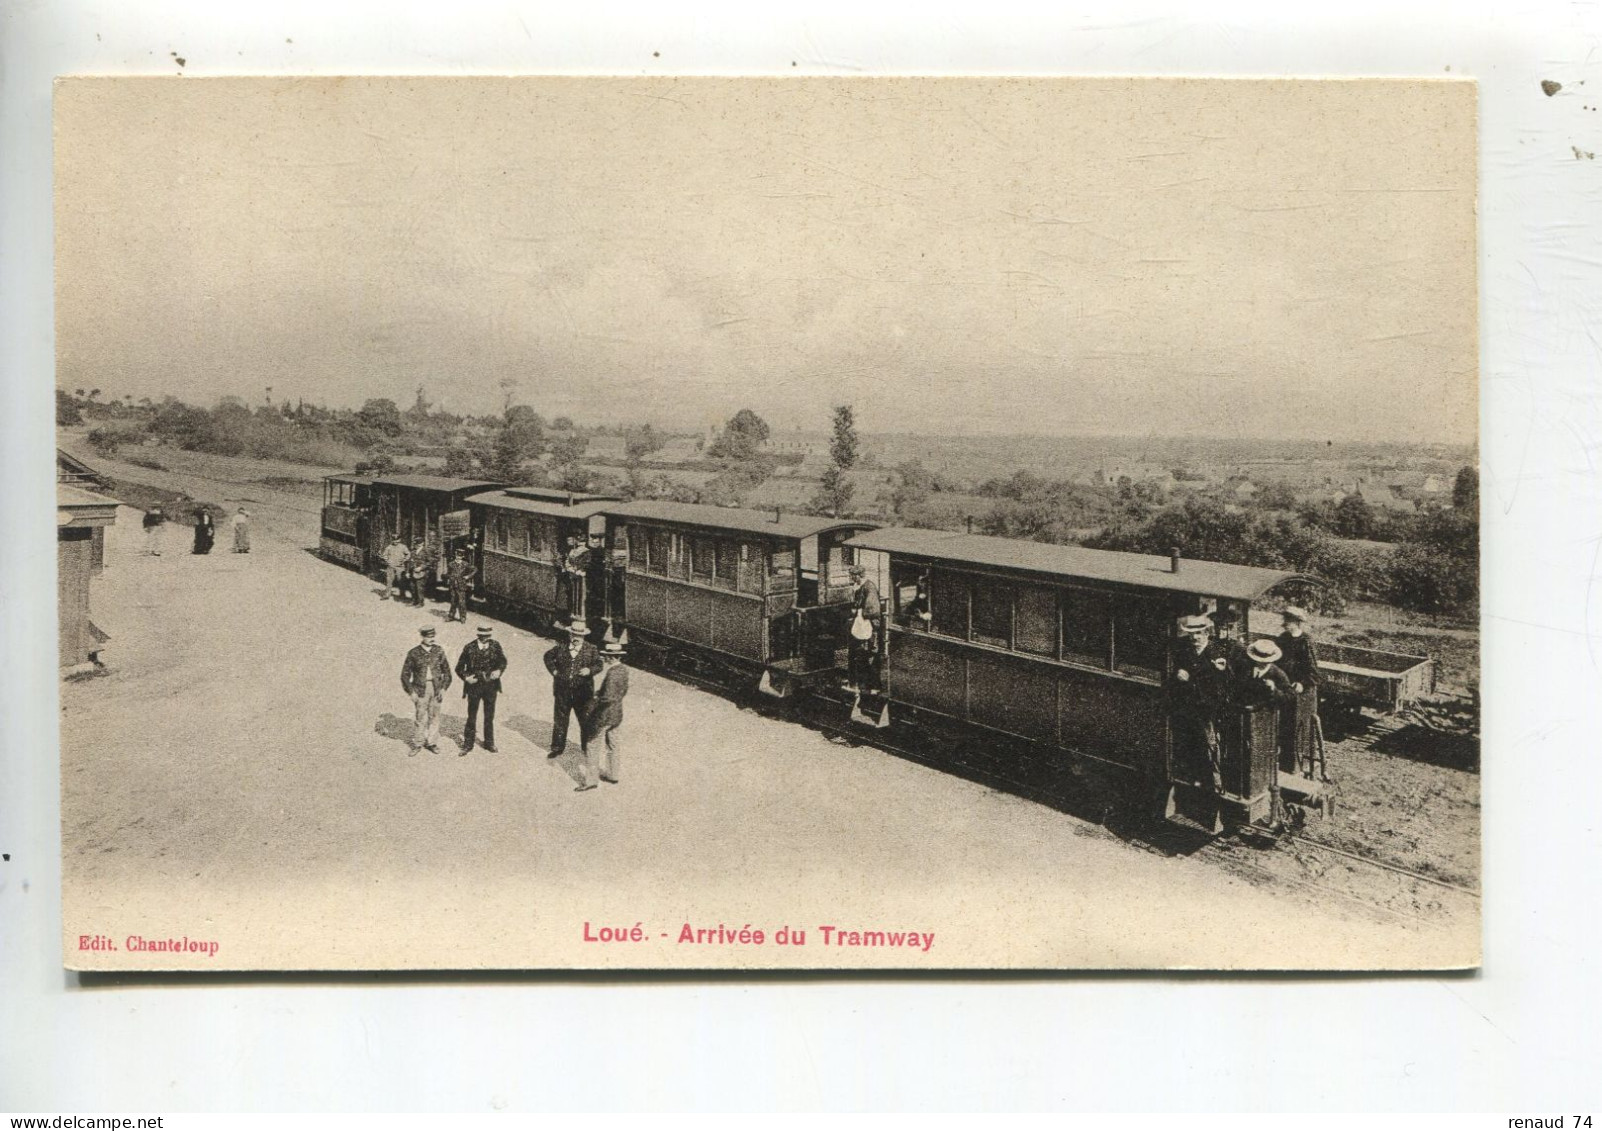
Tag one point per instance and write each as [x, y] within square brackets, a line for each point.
[1063, 257]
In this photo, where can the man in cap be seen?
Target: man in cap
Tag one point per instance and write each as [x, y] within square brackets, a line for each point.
[865, 618]
[395, 558]
[459, 579]
[481, 665]
[425, 676]
[605, 715]
[1300, 665]
[572, 666]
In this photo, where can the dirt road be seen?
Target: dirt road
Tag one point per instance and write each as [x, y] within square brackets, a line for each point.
[242, 776]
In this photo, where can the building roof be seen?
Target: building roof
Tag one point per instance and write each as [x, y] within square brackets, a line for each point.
[509, 500]
[787, 526]
[442, 483]
[77, 507]
[1208, 579]
[71, 469]
[358, 479]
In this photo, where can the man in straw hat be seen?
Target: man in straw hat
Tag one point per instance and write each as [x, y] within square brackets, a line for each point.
[1198, 691]
[606, 713]
[1300, 665]
[1263, 684]
[425, 676]
[481, 665]
[572, 666]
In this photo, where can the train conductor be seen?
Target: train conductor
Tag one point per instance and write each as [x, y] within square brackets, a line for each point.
[481, 665]
[573, 667]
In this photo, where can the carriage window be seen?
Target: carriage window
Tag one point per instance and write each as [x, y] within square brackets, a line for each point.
[781, 570]
[502, 534]
[992, 613]
[679, 557]
[703, 558]
[839, 562]
[948, 597]
[1086, 635]
[1036, 627]
[636, 548]
[750, 567]
[910, 591]
[728, 563]
[536, 538]
[1140, 636]
[661, 546]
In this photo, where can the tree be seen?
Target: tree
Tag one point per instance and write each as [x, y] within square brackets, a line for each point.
[911, 488]
[1276, 496]
[741, 437]
[461, 463]
[521, 438]
[639, 443]
[1354, 518]
[1466, 490]
[381, 415]
[834, 494]
[67, 412]
[567, 449]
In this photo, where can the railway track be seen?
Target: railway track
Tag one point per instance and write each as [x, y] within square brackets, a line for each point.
[1219, 852]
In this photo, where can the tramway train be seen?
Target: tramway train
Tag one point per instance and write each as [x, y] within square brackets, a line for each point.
[1057, 657]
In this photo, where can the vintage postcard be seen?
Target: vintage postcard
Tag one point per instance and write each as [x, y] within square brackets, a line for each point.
[758, 523]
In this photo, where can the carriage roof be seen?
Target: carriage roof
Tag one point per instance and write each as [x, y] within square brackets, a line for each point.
[771, 524]
[1076, 563]
[511, 501]
[441, 483]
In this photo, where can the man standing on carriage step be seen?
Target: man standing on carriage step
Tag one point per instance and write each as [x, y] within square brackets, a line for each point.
[425, 676]
[1198, 692]
[863, 646]
[480, 667]
[573, 667]
[1300, 665]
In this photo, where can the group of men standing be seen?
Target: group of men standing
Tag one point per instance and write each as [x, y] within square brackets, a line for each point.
[409, 571]
[587, 682]
[1213, 676]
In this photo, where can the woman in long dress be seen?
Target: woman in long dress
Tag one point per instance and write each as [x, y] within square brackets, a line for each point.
[205, 532]
[242, 531]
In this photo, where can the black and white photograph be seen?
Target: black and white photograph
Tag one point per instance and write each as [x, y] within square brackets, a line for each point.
[653, 523]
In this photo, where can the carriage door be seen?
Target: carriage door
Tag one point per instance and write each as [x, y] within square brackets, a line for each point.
[807, 581]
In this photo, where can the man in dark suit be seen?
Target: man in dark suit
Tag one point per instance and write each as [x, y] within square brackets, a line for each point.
[1198, 690]
[480, 666]
[606, 715]
[572, 666]
[1300, 665]
[425, 676]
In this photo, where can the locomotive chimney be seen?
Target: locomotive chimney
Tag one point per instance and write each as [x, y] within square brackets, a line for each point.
[778, 513]
[570, 498]
[1173, 560]
[970, 524]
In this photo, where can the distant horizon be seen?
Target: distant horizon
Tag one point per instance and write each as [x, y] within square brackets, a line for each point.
[1096, 256]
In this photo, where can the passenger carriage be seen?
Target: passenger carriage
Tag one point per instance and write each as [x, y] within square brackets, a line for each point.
[1068, 650]
[756, 595]
[523, 534]
[347, 532]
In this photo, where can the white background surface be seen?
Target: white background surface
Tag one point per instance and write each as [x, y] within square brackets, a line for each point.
[1524, 1035]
